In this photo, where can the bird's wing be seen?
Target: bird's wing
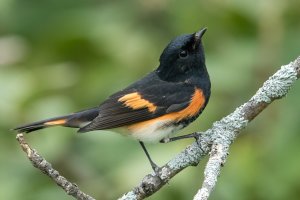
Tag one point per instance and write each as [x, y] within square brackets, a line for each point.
[141, 102]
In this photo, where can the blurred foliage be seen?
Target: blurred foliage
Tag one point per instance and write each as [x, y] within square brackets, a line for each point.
[60, 56]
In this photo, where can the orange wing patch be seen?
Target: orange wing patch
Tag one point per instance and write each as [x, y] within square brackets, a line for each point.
[196, 103]
[55, 122]
[194, 107]
[135, 101]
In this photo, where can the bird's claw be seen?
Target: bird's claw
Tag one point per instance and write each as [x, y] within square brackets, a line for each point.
[156, 169]
[197, 137]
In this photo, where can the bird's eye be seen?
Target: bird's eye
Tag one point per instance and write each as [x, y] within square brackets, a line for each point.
[183, 54]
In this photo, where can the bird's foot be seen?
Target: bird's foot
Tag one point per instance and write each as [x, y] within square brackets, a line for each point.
[155, 168]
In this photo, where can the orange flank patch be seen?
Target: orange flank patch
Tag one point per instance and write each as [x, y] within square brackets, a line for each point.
[56, 122]
[196, 103]
[135, 101]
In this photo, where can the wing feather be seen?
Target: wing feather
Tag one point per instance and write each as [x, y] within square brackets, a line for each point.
[138, 103]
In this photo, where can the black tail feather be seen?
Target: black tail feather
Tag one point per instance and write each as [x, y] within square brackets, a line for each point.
[27, 128]
[75, 120]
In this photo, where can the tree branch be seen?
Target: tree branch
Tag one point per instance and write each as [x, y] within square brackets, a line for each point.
[218, 139]
[215, 141]
[42, 164]
[217, 159]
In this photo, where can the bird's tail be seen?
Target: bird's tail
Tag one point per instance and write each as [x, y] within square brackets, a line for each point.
[75, 120]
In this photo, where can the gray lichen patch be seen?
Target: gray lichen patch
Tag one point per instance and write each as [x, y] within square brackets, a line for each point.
[190, 156]
[277, 85]
[129, 196]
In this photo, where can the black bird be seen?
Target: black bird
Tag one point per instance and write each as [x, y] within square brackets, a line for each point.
[154, 107]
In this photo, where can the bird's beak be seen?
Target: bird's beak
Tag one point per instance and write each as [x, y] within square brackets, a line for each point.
[198, 35]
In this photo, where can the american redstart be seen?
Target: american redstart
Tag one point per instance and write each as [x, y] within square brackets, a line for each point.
[154, 107]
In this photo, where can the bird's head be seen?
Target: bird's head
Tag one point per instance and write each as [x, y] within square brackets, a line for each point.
[183, 59]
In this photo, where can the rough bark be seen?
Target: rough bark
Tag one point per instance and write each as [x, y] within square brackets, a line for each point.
[43, 165]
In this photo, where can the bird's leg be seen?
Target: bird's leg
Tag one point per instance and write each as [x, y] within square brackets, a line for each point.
[192, 135]
[153, 165]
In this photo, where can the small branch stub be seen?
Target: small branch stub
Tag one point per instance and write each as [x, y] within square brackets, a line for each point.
[212, 170]
[43, 165]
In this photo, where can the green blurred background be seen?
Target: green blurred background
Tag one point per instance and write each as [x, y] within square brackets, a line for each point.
[60, 56]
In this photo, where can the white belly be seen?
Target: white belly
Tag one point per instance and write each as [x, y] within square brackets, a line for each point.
[153, 132]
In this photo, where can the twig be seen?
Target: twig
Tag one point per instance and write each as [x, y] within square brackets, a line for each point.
[221, 135]
[40, 163]
[217, 159]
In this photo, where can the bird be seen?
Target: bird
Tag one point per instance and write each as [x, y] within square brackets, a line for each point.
[154, 108]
